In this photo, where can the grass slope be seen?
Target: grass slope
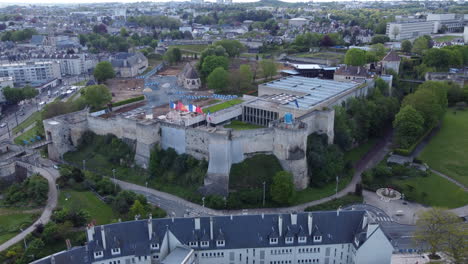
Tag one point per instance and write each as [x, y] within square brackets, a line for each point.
[99, 211]
[433, 190]
[12, 221]
[27, 122]
[357, 153]
[447, 150]
[239, 125]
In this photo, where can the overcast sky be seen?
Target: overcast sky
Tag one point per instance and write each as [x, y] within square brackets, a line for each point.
[126, 1]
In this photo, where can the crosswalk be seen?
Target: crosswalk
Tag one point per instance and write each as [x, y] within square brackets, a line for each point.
[383, 219]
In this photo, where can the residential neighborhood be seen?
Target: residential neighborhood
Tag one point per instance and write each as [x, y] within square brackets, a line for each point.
[268, 132]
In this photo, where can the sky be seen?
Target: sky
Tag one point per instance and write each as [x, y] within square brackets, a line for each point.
[127, 1]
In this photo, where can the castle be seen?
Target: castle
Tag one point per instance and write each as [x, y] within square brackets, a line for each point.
[309, 101]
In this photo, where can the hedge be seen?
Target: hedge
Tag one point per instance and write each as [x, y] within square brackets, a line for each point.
[408, 151]
[123, 102]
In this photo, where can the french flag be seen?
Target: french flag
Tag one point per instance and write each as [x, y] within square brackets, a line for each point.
[191, 108]
[172, 105]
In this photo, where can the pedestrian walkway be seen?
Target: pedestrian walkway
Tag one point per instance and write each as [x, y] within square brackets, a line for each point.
[50, 176]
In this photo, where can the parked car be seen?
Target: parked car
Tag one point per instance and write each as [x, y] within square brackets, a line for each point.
[2, 125]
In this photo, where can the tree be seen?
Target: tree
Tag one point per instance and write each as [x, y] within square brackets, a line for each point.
[232, 47]
[432, 228]
[381, 85]
[395, 32]
[217, 80]
[97, 95]
[15, 95]
[268, 68]
[212, 62]
[327, 41]
[103, 71]
[173, 55]
[406, 46]
[246, 76]
[282, 190]
[137, 209]
[379, 50]
[380, 39]
[454, 94]
[420, 45]
[355, 57]
[123, 32]
[409, 126]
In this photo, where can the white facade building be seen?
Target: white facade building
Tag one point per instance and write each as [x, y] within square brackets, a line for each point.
[409, 30]
[339, 237]
[31, 72]
[298, 22]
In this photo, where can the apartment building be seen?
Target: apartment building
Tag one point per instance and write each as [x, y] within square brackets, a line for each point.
[331, 237]
[409, 30]
[31, 72]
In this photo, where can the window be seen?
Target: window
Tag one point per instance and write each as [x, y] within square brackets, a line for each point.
[273, 240]
[220, 243]
[205, 243]
[98, 254]
[317, 238]
[193, 243]
[289, 240]
[302, 239]
[155, 246]
[115, 251]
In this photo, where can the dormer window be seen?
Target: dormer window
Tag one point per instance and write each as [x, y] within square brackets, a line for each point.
[302, 239]
[98, 254]
[154, 245]
[317, 238]
[289, 240]
[356, 241]
[115, 251]
[273, 241]
[220, 243]
[193, 244]
[204, 243]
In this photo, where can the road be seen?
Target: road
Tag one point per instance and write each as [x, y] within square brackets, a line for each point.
[176, 206]
[24, 111]
[51, 175]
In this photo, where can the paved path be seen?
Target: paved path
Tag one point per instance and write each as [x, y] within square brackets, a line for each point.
[176, 206]
[51, 175]
[450, 179]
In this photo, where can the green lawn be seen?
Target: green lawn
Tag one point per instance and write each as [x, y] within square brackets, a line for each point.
[31, 133]
[322, 55]
[12, 221]
[192, 48]
[445, 38]
[99, 164]
[239, 125]
[222, 106]
[29, 121]
[432, 190]
[315, 193]
[99, 211]
[357, 153]
[334, 204]
[447, 151]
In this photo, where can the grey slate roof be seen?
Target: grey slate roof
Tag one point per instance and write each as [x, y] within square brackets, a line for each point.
[126, 59]
[243, 231]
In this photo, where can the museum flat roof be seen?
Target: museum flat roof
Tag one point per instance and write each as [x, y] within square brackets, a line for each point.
[314, 90]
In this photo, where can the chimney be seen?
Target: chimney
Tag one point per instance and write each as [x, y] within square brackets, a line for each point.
[294, 219]
[280, 225]
[52, 260]
[103, 237]
[309, 223]
[150, 227]
[338, 211]
[263, 216]
[231, 217]
[211, 228]
[90, 232]
[197, 223]
[358, 69]
[364, 221]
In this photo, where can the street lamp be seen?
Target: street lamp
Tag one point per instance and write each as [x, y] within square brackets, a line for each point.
[115, 183]
[336, 188]
[264, 191]
[24, 240]
[8, 128]
[203, 201]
